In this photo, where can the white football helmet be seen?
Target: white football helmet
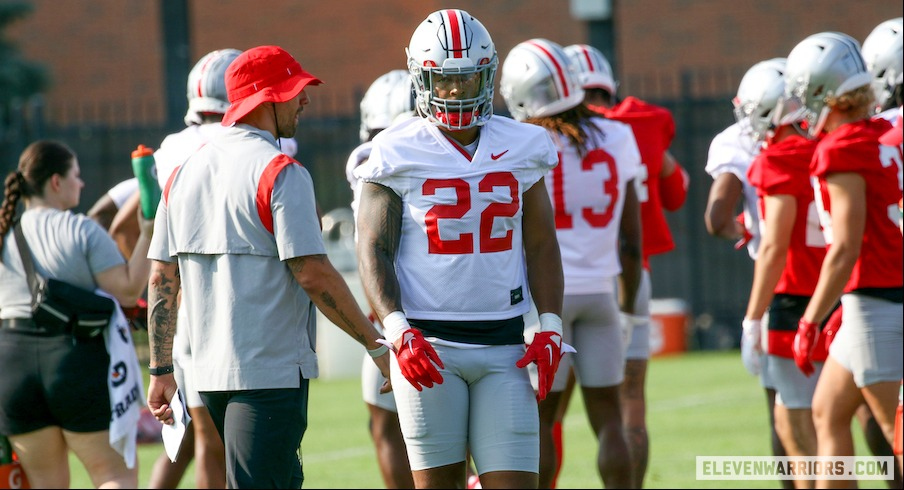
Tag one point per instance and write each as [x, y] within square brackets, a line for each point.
[389, 97]
[758, 94]
[883, 51]
[206, 88]
[593, 68]
[539, 80]
[451, 43]
[823, 65]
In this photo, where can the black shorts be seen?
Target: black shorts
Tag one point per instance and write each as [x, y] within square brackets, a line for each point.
[53, 381]
[262, 432]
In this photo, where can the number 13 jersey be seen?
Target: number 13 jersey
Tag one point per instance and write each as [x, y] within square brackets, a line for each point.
[460, 255]
[588, 195]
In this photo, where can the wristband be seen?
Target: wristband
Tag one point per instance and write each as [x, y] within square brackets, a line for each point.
[379, 351]
[394, 325]
[160, 370]
[550, 322]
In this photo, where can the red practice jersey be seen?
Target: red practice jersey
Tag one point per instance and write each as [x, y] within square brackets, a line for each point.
[854, 147]
[654, 130]
[784, 169]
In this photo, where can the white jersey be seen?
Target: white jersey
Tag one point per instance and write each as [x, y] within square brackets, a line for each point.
[588, 196]
[177, 147]
[732, 151]
[461, 255]
[358, 156]
[121, 192]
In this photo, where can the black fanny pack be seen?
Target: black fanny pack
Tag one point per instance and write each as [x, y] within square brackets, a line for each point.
[58, 306]
[71, 309]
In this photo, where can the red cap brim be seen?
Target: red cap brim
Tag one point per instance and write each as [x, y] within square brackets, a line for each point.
[280, 92]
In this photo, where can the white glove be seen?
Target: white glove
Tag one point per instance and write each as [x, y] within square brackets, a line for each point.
[750, 345]
[628, 321]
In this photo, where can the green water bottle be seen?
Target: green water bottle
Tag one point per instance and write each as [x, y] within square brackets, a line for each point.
[145, 170]
[6, 451]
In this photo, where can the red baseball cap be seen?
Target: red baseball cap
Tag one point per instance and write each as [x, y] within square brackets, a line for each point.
[895, 135]
[263, 74]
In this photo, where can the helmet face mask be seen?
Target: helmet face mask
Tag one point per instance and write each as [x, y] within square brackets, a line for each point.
[206, 86]
[883, 52]
[539, 80]
[822, 66]
[389, 98]
[758, 95]
[452, 61]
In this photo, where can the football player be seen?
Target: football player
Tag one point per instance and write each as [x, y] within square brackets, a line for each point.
[597, 220]
[455, 238]
[662, 185]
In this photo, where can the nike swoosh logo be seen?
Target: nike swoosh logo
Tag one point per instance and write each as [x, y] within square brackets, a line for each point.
[549, 349]
[497, 157]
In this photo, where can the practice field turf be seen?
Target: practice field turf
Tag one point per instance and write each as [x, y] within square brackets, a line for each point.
[700, 404]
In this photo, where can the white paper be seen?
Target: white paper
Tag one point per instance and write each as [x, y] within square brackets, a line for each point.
[173, 434]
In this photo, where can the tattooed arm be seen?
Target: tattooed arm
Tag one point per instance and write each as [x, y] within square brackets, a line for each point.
[329, 292]
[163, 289]
[379, 231]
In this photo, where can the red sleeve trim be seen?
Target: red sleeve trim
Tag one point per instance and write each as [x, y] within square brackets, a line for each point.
[169, 183]
[673, 189]
[265, 188]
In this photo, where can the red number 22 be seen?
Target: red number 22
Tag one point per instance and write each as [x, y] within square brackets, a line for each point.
[464, 244]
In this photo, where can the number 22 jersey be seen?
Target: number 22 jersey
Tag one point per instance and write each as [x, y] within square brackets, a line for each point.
[460, 256]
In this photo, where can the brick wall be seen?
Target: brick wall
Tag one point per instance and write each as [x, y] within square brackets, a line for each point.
[104, 53]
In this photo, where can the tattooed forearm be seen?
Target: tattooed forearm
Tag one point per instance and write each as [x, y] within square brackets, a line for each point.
[162, 312]
[297, 264]
[379, 232]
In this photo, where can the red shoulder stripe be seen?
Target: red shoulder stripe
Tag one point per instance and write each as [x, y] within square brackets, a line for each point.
[265, 188]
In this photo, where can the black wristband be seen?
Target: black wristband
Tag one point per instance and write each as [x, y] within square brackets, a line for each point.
[160, 370]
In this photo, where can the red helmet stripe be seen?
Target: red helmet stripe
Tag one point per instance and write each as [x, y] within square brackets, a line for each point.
[588, 58]
[559, 72]
[201, 76]
[455, 30]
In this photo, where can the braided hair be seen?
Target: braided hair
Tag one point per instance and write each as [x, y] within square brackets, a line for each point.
[39, 162]
[569, 124]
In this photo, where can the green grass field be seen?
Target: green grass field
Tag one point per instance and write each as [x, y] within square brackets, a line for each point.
[700, 404]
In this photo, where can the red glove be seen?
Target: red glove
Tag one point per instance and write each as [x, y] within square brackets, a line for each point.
[416, 360]
[546, 351]
[137, 315]
[804, 344]
[832, 326]
[745, 239]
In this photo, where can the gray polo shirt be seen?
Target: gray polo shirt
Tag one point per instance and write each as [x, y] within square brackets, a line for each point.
[64, 245]
[234, 211]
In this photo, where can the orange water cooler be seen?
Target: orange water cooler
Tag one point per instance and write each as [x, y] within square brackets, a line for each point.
[669, 319]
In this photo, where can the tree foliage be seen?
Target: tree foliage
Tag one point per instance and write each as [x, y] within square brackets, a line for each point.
[19, 78]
